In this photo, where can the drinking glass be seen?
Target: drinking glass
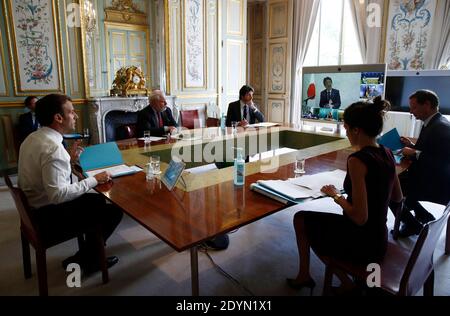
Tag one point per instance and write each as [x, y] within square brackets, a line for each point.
[155, 164]
[299, 165]
[234, 127]
[147, 137]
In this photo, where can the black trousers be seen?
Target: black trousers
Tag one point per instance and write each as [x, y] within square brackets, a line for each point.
[411, 201]
[65, 220]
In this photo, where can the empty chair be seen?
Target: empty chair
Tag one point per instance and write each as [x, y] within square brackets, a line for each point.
[403, 272]
[126, 131]
[190, 119]
[212, 122]
[31, 234]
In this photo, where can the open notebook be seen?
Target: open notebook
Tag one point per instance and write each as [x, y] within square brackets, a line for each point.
[105, 157]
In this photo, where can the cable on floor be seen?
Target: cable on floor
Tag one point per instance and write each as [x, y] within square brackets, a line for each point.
[204, 249]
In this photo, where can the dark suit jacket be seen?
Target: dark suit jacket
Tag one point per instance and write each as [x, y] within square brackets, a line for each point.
[26, 126]
[234, 114]
[335, 97]
[147, 120]
[429, 176]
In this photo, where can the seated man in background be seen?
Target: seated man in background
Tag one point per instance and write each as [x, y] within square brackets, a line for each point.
[428, 177]
[156, 117]
[329, 98]
[45, 177]
[27, 121]
[244, 111]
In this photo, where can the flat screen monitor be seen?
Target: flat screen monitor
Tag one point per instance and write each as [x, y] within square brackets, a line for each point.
[349, 84]
[401, 84]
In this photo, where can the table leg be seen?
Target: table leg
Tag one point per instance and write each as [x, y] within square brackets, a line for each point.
[194, 271]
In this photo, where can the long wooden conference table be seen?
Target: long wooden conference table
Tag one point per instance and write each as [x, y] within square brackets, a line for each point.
[208, 204]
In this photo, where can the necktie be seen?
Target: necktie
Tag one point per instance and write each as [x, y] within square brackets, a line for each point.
[245, 112]
[161, 123]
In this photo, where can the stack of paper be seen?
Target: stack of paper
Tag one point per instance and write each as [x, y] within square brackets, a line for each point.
[297, 190]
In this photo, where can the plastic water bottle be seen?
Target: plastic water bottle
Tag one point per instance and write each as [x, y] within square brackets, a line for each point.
[222, 121]
[239, 168]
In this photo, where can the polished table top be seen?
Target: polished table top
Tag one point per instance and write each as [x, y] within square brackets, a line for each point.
[211, 204]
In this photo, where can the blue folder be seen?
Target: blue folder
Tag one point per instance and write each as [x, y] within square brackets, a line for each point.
[391, 140]
[100, 156]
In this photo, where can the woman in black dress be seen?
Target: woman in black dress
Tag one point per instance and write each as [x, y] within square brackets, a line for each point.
[360, 234]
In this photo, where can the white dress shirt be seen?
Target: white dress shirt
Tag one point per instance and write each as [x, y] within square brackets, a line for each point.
[45, 170]
[248, 110]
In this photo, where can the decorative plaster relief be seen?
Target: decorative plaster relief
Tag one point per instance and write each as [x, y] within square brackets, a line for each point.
[278, 19]
[194, 44]
[409, 33]
[277, 68]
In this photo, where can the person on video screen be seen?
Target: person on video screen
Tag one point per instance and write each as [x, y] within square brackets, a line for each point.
[329, 98]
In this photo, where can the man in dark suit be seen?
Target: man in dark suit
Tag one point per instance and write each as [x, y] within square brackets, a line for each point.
[156, 117]
[244, 111]
[329, 98]
[27, 121]
[428, 178]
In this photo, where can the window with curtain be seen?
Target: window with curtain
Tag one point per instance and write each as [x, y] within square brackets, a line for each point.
[335, 39]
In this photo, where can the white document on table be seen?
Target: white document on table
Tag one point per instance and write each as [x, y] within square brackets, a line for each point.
[116, 171]
[152, 138]
[322, 205]
[288, 189]
[316, 181]
[264, 124]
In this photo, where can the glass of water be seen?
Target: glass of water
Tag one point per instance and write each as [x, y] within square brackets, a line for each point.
[147, 137]
[299, 165]
[155, 164]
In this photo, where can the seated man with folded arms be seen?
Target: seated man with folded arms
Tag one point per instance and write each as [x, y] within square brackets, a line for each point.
[45, 171]
[244, 111]
[428, 177]
[156, 117]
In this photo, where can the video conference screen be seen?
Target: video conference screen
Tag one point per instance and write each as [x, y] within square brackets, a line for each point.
[399, 88]
[342, 90]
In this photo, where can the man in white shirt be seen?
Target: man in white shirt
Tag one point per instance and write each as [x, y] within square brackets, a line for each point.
[44, 171]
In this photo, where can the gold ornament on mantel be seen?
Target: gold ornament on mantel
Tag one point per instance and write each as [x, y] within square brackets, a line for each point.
[125, 5]
[129, 81]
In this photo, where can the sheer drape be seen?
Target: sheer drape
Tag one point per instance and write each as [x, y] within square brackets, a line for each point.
[439, 53]
[305, 13]
[369, 37]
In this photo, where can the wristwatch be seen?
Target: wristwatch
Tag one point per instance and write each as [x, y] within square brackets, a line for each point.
[336, 197]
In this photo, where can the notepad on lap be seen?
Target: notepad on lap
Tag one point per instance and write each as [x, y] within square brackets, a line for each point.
[105, 157]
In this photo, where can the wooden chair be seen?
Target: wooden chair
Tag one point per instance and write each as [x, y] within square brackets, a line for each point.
[212, 122]
[30, 233]
[189, 119]
[403, 272]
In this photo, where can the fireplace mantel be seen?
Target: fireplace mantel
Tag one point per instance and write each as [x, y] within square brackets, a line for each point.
[100, 107]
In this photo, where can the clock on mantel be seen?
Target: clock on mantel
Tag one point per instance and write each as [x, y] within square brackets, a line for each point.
[129, 81]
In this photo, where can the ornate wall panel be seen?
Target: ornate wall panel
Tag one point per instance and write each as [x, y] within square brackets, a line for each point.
[278, 20]
[194, 44]
[276, 108]
[277, 67]
[35, 46]
[409, 33]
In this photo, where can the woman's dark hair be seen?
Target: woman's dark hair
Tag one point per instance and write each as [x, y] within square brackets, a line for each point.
[48, 106]
[244, 90]
[367, 116]
[29, 99]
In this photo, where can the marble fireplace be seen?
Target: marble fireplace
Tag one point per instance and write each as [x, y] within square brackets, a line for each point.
[106, 113]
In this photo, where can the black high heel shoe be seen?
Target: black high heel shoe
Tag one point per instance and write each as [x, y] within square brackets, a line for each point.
[293, 283]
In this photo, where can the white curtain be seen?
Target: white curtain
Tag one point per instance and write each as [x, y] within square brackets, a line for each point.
[439, 53]
[305, 13]
[369, 37]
